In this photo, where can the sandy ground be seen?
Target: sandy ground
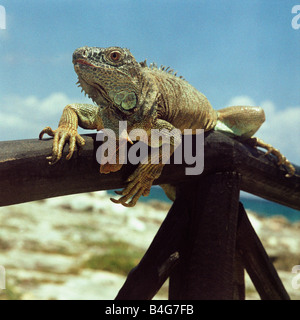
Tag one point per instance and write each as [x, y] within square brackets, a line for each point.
[45, 246]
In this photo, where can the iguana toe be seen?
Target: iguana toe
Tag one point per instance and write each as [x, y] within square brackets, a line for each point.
[282, 160]
[62, 135]
[48, 131]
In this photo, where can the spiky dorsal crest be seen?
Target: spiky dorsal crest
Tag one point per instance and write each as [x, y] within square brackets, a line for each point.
[143, 64]
[153, 66]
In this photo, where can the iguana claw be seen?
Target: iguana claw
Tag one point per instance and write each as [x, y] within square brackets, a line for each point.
[61, 136]
[282, 160]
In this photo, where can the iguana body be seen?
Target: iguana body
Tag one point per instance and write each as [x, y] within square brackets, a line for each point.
[147, 98]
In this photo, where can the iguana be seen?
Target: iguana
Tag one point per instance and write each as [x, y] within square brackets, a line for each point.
[147, 98]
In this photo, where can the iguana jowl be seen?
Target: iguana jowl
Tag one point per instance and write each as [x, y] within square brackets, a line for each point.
[147, 98]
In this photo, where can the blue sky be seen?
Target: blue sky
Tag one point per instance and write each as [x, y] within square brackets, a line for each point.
[235, 52]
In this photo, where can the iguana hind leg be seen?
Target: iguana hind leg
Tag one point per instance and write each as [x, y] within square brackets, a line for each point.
[244, 121]
[282, 160]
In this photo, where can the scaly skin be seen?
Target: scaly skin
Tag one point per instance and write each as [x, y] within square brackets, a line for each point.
[147, 98]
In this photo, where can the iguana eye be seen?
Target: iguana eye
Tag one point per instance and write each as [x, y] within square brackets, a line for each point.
[115, 56]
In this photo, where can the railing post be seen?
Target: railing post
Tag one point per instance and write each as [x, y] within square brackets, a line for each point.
[207, 261]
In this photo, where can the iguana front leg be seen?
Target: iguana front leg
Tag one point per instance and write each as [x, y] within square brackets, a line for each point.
[140, 182]
[85, 115]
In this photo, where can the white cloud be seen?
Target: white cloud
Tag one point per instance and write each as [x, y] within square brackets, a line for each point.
[53, 104]
[8, 121]
[281, 128]
[241, 101]
[24, 117]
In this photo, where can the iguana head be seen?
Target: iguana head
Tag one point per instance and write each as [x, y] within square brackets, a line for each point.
[113, 79]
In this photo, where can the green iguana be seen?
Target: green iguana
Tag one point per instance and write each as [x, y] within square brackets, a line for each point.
[148, 98]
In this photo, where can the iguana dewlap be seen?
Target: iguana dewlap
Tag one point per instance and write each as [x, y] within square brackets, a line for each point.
[147, 98]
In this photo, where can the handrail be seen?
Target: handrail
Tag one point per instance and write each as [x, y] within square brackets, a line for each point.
[25, 174]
